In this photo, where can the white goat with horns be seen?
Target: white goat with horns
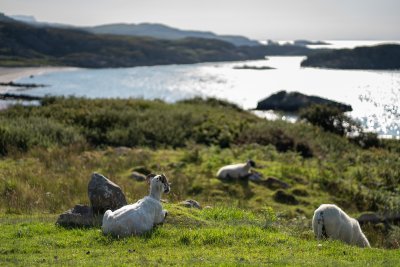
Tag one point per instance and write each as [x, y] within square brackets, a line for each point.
[330, 221]
[140, 217]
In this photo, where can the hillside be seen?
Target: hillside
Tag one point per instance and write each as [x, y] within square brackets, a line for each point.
[189, 141]
[161, 31]
[54, 44]
[380, 57]
[27, 45]
[48, 153]
[154, 30]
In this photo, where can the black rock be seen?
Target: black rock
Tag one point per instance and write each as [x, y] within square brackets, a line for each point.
[294, 101]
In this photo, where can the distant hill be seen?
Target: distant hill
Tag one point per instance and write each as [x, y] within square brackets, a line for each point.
[31, 20]
[155, 30]
[376, 57]
[22, 44]
[36, 43]
[4, 18]
[161, 31]
[24, 18]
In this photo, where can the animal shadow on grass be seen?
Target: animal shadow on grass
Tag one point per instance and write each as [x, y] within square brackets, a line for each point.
[242, 183]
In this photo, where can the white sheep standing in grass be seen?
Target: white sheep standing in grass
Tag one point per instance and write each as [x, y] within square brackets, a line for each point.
[140, 217]
[330, 221]
[236, 171]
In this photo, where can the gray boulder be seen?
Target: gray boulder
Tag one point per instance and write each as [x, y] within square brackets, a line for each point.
[104, 194]
[79, 216]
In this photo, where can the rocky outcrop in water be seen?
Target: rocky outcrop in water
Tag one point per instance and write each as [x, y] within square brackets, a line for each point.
[294, 101]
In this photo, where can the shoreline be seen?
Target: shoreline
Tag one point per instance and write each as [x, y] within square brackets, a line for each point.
[11, 74]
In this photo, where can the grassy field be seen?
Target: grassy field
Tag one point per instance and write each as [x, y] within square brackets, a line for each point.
[215, 236]
[49, 152]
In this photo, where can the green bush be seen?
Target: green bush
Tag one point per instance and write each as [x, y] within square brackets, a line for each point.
[330, 119]
[21, 134]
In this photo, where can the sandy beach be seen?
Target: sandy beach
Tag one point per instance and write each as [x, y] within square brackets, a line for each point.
[13, 74]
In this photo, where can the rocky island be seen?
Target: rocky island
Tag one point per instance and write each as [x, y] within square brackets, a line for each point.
[294, 101]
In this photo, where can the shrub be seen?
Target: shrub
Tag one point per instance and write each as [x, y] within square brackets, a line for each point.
[330, 119]
[20, 134]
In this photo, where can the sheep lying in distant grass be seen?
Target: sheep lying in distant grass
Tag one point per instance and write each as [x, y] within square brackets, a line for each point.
[140, 217]
[330, 221]
[236, 171]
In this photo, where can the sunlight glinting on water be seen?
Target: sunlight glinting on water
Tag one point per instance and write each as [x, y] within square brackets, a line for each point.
[374, 95]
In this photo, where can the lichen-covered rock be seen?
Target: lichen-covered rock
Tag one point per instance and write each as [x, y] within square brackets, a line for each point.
[79, 216]
[104, 194]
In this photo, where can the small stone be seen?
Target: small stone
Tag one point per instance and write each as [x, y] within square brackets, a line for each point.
[190, 203]
[141, 169]
[140, 177]
[79, 216]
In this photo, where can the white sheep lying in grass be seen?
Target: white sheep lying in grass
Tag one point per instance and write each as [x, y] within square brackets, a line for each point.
[140, 217]
[236, 171]
[330, 221]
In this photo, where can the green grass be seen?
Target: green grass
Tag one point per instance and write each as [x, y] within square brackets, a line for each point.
[49, 152]
[188, 237]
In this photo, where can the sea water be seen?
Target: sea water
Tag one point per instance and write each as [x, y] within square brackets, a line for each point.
[373, 95]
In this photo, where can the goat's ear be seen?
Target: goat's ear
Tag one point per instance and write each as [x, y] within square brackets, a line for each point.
[149, 177]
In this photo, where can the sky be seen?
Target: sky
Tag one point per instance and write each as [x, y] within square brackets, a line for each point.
[257, 19]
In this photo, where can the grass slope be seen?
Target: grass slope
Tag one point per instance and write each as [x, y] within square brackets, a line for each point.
[49, 152]
[216, 236]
